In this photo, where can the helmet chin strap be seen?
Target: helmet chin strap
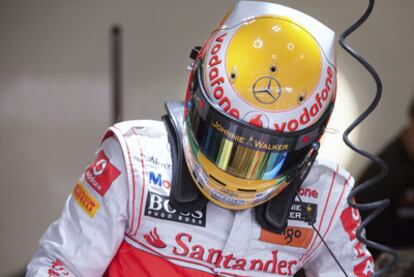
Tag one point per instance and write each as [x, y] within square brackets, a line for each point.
[185, 196]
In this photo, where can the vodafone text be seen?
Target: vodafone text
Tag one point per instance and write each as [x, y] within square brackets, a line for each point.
[308, 192]
[230, 261]
[314, 110]
[216, 80]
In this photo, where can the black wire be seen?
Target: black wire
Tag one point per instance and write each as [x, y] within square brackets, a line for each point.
[323, 241]
[380, 205]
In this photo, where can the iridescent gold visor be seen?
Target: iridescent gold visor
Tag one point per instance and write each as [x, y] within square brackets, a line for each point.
[244, 150]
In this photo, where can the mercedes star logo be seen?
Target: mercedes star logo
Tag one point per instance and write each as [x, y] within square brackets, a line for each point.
[266, 90]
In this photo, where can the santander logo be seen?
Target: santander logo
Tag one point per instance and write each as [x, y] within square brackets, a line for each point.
[184, 247]
[154, 239]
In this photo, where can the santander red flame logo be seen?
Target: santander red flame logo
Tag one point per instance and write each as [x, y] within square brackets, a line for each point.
[154, 239]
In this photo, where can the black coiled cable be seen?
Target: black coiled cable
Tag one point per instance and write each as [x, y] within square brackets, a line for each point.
[378, 206]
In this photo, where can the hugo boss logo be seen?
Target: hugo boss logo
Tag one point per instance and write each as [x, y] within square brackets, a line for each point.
[158, 206]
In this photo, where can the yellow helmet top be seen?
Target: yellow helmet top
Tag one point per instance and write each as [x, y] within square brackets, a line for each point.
[262, 92]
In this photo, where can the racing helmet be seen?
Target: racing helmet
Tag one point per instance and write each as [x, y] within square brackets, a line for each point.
[260, 94]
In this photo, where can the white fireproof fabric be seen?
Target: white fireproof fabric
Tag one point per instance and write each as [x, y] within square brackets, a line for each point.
[101, 214]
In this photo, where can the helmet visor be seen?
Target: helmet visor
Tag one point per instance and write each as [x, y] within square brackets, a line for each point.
[241, 149]
[243, 161]
[238, 153]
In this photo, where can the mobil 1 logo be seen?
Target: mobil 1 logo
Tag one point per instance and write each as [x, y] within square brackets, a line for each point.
[158, 206]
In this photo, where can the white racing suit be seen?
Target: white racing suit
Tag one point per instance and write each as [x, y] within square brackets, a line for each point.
[117, 222]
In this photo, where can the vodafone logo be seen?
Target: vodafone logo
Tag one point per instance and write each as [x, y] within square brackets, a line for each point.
[365, 268]
[101, 174]
[216, 79]
[257, 119]
[312, 113]
[350, 221]
[237, 89]
[359, 249]
[355, 215]
[99, 167]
